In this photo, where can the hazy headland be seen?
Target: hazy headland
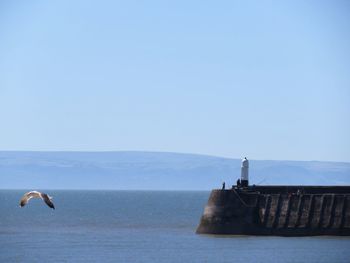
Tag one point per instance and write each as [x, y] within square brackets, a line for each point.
[154, 171]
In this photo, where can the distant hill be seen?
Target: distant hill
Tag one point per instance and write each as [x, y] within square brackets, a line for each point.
[154, 171]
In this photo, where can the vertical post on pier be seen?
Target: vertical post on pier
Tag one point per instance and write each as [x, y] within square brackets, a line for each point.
[244, 172]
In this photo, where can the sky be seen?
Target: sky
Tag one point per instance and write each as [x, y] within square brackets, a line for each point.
[263, 79]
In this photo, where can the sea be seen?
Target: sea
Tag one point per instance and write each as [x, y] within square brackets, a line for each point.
[139, 226]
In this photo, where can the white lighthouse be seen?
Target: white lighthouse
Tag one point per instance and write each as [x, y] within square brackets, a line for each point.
[244, 172]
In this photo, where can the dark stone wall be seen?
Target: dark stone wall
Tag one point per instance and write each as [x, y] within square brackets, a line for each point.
[281, 189]
[283, 210]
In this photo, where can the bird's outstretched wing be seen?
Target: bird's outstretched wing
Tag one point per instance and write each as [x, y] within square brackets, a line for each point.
[27, 196]
[47, 200]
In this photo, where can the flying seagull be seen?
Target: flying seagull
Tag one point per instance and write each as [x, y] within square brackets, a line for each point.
[35, 194]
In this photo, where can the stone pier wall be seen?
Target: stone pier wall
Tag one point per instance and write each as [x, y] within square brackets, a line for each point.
[287, 211]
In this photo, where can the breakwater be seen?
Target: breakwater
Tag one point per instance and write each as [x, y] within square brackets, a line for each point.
[278, 210]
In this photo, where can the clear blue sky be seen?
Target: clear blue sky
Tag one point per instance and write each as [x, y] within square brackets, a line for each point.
[263, 79]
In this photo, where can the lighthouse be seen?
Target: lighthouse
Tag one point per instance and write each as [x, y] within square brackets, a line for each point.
[244, 172]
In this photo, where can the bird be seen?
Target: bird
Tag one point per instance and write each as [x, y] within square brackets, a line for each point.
[35, 194]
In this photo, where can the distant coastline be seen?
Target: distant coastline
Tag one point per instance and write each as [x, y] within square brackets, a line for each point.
[133, 170]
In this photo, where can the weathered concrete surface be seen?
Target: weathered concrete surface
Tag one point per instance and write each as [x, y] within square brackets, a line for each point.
[278, 210]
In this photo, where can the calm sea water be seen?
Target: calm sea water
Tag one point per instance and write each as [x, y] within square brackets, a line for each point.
[137, 226]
